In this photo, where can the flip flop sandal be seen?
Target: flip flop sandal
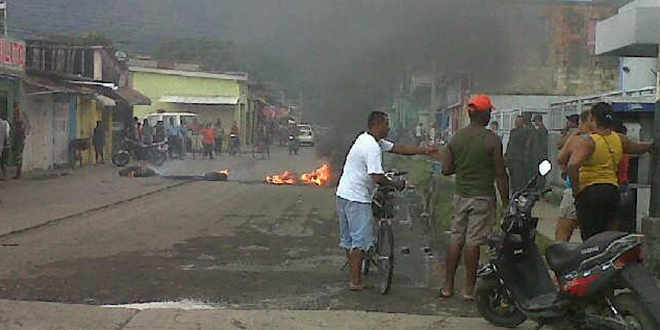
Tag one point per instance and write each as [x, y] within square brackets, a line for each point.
[445, 295]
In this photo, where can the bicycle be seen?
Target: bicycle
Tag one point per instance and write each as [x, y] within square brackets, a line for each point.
[381, 254]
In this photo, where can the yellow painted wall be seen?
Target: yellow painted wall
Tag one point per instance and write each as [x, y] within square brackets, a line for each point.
[89, 112]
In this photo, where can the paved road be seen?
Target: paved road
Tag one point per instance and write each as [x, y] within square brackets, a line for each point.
[229, 245]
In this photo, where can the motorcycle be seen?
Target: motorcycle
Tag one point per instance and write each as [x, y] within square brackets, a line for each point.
[155, 153]
[293, 145]
[601, 283]
[234, 145]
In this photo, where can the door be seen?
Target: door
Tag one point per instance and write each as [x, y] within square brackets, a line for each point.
[60, 132]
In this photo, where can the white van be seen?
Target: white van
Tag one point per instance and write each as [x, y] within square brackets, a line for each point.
[180, 118]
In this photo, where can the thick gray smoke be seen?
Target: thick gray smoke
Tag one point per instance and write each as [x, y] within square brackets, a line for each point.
[347, 57]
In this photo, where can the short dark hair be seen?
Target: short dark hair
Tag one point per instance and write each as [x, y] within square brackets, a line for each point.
[603, 113]
[495, 123]
[375, 117]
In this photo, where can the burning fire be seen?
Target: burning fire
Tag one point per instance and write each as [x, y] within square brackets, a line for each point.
[225, 172]
[319, 177]
[284, 178]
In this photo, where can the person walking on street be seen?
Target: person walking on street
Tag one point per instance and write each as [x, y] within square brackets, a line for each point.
[567, 222]
[208, 138]
[147, 132]
[98, 139]
[18, 141]
[362, 170]
[175, 141]
[419, 134]
[475, 156]
[519, 154]
[5, 131]
[220, 133]
[592, 169]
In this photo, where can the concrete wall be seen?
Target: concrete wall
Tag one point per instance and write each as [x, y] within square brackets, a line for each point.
[38, 142]
[552, 51]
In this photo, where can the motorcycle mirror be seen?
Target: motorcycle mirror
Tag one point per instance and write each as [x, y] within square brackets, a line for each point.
[545, 167]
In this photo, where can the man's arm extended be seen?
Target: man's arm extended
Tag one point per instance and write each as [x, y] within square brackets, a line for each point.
[494, 146]
[409, 150]
[632, 147]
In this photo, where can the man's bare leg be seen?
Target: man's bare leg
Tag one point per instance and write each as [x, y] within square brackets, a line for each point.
[453, 256]
[471, 256]
[564, 229]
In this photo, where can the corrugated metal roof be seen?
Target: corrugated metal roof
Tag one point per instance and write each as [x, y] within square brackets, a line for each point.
[132, 96]
[231, 100]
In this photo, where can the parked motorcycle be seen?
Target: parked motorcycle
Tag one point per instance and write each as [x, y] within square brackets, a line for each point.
[155, 153]
[602, 283]
[293, 145]
[234, 145]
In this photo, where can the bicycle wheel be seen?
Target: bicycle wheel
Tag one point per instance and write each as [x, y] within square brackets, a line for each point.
[385, 256]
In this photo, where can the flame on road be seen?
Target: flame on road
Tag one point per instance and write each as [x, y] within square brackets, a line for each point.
[318, 177]
[225, 172]
[280, 179]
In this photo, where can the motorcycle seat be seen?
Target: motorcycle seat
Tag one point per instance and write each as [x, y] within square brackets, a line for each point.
[561, 256]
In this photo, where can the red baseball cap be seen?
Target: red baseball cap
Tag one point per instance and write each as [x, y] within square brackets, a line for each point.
[481, 102]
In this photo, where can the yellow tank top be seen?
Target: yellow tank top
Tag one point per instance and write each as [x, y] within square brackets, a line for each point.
[603, 164]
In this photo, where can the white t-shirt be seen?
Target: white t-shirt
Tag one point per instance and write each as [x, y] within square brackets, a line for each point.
[364, 158]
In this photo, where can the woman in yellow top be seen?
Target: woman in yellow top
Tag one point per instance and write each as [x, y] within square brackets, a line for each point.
[592, 169]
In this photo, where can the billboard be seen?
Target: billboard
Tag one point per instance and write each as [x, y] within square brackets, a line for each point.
[12, 54]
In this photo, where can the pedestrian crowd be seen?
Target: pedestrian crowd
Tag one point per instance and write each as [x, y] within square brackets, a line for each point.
[593, 157]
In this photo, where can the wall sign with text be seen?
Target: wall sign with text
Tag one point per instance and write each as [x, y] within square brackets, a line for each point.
[12, 54]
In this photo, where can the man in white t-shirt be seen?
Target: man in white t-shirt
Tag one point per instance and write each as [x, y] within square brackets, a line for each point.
[362, 171]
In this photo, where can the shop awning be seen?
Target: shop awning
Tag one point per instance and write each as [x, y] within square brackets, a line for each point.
[42, 85]
[132, 97]
[106, 101]
[227, 100]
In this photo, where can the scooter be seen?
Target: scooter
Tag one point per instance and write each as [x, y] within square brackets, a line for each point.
[293, 145]
[601, 283]
[155, 153]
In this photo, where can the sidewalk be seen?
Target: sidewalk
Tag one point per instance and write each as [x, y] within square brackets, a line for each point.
[37, 315]
[548, 212]
[44, 197]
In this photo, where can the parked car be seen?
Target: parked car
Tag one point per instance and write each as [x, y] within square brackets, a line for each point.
[306, 136]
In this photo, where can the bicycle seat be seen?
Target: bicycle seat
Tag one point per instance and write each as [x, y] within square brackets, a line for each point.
[560, 256]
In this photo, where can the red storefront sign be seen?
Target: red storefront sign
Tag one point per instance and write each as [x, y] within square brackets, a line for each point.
[12, 54]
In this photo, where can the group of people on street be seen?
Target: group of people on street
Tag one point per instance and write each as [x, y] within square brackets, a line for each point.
[527, 146]
[12, 140]
[200, 138]
[591, 158]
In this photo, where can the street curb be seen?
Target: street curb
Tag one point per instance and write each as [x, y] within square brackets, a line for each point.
[92, 210]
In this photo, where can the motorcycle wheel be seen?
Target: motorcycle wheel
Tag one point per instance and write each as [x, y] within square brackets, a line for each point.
[633, 311]
[158, 158]
[120, 159]
[494, 306]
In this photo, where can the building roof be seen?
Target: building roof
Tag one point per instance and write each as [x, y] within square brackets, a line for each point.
[230, 100]
[132, 97]
[238, 76]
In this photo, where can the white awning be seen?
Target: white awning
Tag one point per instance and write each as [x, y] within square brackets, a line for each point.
[106, 101]
[231, 100]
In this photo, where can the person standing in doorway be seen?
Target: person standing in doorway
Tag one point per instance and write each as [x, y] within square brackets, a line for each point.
[98, 139]
[5, 131]
[474, 155]
[18, 141]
